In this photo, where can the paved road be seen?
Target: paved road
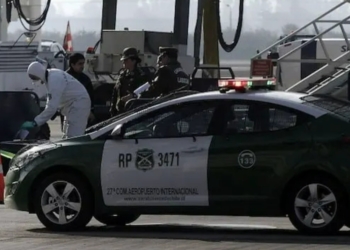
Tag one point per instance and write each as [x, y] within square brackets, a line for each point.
[20, 230]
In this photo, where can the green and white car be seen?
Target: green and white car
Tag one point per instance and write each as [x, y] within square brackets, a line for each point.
[259, 153]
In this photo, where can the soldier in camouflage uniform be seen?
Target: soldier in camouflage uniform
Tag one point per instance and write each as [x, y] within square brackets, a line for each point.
[169, 76]
[130, 78]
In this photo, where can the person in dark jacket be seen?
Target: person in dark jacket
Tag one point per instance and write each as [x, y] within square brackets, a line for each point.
[76, 67]
[130, 78]
[169, 76]
[159, 61]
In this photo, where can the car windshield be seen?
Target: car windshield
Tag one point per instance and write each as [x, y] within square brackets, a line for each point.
[45, 48]
[328, 103]
[140, 108]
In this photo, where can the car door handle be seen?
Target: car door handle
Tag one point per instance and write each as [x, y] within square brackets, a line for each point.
[193, 150]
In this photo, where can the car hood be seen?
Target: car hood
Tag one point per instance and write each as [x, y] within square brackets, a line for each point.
[11, 149]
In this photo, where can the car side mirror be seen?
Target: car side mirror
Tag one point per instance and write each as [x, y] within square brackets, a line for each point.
[118, 132]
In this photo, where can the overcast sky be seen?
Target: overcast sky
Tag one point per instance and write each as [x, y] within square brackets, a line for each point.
[157, 15]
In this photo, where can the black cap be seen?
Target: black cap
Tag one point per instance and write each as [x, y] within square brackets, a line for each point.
[130, 53]
[169, 51]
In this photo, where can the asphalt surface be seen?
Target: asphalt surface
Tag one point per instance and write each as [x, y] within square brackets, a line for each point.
[19, 230]
[23, 231]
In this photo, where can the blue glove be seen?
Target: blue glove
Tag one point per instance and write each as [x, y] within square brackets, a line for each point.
[28, 125]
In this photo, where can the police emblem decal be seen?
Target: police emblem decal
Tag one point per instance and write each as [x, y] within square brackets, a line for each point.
[246, 159]
[144, 159]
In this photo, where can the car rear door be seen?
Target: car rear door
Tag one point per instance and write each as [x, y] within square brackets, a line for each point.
[261, 144]
[162, 159]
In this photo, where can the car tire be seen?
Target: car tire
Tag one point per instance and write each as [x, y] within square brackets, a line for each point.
[117, 220]
[328, 204]
[50, 198]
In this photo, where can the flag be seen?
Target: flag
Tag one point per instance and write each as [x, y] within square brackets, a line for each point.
[68, 41]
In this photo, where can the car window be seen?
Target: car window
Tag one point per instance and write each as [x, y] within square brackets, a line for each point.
[45, 48]
[177, 121]
[260, 117]
[59, 47]
[137, 109]
[55, 48]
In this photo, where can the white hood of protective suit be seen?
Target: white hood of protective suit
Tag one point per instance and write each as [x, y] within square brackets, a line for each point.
[66, 94]
[38, 70]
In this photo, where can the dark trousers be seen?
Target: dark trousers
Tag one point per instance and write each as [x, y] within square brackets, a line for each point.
[62, 121]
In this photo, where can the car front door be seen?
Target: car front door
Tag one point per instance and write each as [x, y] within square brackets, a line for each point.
[262, 143]
[161, 159]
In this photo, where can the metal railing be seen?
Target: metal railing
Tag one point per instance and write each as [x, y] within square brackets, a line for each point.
[340, 80]
[318, 36]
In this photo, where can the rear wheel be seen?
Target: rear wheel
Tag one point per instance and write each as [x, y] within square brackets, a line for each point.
[117, 220]
[317, 205]
[63, 202]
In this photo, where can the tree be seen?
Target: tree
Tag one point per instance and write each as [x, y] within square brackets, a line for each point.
[289, 28]
[249, 42]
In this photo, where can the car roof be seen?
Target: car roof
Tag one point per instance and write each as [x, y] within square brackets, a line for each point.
[46, 43]
[49, 43]
[291, 100]
[281, 97]
[286, 99]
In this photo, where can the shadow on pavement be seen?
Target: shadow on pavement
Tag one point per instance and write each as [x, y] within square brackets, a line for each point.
[209, 234]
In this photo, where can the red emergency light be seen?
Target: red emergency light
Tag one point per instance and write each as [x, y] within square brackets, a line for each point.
[242, 85]
[238, 85]
[90, 50]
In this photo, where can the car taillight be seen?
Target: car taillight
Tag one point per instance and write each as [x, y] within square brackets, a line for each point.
[90, 50]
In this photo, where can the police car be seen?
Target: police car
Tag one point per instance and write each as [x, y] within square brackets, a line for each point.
[231, 152]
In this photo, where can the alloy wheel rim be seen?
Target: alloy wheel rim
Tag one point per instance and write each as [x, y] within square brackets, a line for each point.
[315, 205]
[61, 202]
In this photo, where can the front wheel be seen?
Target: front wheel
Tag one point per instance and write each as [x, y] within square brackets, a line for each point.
[63, 202]
[317, 205]
[117, 220]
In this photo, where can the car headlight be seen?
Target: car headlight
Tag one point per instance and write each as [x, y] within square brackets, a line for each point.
[21, 161]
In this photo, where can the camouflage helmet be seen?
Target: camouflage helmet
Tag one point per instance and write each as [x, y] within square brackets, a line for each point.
[131, 53]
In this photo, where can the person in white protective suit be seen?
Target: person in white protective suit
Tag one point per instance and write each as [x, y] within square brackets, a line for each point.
[66, 94]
